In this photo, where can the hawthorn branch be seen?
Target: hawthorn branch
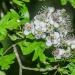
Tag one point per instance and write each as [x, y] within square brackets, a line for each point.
[20, 71]
[28, 68]
[18, 59]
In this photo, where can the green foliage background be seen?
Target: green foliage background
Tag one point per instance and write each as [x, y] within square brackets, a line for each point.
[11, 32]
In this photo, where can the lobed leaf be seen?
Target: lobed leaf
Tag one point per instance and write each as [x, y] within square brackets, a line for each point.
[6, 61]
[72, 3]
[64, 2]
[24, 14]
[9, 21]
[18, 2]
[38, 47]
[71, 67]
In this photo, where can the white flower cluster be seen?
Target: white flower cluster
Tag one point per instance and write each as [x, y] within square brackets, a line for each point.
[62, 53]
[52, 25]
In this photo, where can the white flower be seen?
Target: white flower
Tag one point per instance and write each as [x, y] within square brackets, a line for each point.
[51, 9]
[53, 26]
[60, 19]
[56, 25]
[67, 54]
[56, 42]
[70, 42]
[59, 53]
[48, 43]
[40, 25]
[26, 32]
[50, 20]
[56, 35]
[58, 57]
[62, 53]
[37, 36]
[43, 26]
[28, 28]
[56, 39]
[43, 36]
[73, 46]
[36, 22]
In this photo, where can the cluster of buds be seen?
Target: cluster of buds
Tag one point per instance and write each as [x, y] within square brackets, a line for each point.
[53, 26]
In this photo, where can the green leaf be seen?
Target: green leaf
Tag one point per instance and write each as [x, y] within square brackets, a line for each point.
[3, 34]
[12, 24]
[72, 3]
[20, 3]
[14, 14]
[63, 71]
[1, 51]
[42, 57]
[72, 60]
[39, 53]
[2, 73]
[73, 72]
[13, 37]
[37, 46]
[30, 36]
[64, 2]
[9, 21]
[35, 56]
[52, 59]
[6, 61]
[24, 14]
[26, 0]
[26, 47]
[5, 19]
[71, 66]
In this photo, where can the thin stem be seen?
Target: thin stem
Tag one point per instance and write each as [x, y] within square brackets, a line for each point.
[41, 69]
[18, 59]
[55, 72]
[28, 68]
[20, 71]
[17, 56]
